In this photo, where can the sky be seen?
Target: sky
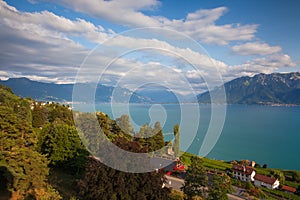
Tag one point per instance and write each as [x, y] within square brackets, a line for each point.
[192, 44]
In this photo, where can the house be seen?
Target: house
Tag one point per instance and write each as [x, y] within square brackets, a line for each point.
[288, 189]
[243, 173]
[265, 181]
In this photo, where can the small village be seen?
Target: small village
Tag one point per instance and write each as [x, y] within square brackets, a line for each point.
[243, 173]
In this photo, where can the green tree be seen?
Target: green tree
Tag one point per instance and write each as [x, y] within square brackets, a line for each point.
[28, 167]
[22, 109]
[158, 137]
[15, 132]
[196, 180]
[177, 140]
[102, 182]
[39, 115]
[18, 155]
[7, 98]
[125, 125]
[220, 187]
[59, 112]
[62, 145]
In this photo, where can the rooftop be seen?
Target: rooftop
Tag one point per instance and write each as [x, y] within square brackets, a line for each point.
[264, 179]
[242, 169]
[288, 188]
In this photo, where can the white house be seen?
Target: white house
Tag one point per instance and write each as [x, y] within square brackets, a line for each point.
[265, 181]
[243, 173]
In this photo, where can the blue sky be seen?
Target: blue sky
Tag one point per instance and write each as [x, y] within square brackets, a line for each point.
[48, 40]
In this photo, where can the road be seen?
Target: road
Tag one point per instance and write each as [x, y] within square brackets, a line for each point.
[177, 183]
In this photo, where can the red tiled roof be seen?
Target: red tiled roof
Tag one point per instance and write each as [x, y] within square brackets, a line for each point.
[288, 188]
[242, 169]
[264, 179]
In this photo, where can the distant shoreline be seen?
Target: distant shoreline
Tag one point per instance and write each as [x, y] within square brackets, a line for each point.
[192, 103]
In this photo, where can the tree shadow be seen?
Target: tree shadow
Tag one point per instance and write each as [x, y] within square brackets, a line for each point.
[6, 182]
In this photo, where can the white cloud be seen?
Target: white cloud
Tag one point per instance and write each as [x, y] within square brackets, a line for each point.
[265, 65]
[276, 60]
[126, 12]
[50, 25]
[200, 24]
[255, 48]
[40, 43]
[39, 46]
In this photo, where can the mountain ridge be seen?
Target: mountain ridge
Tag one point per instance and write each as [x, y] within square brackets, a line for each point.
[276, 88]
[41, 91]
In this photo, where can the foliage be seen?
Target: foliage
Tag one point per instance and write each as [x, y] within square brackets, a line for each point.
[102, 182]
[296, 176]
[186, 158]
[280, 194]
[64, 182]
[7, 98]
[62, 145]
[39, 115]
[277, 175]
[176, 195]
[196, 180]
[14, 131]
[220, 187]
[28, 167]
[125, 125]
[22, 110]
[151, 138]
[61, 113]
[177, 140]
[24, 169]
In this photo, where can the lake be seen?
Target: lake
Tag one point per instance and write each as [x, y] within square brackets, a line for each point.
[266, 134]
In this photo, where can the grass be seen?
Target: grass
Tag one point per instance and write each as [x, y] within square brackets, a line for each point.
[263, 171]
[208, 163]
[292, 184]
[216, 164]
[280, 194]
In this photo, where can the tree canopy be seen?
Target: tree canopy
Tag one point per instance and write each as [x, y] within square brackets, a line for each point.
[196, 180]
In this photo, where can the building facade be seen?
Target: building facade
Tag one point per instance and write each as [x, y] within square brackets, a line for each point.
[243, 173]
[265, 181]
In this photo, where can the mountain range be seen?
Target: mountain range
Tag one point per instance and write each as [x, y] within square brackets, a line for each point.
[276, 88]
[39, 91]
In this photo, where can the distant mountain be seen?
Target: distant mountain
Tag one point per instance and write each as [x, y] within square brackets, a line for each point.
[277, 88]
[157, 94]
[39, 91]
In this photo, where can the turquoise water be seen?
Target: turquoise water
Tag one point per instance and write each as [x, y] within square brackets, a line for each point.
[268, 135]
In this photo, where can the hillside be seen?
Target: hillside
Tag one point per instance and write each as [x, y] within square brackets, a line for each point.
[277, 88]
[43, 157]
